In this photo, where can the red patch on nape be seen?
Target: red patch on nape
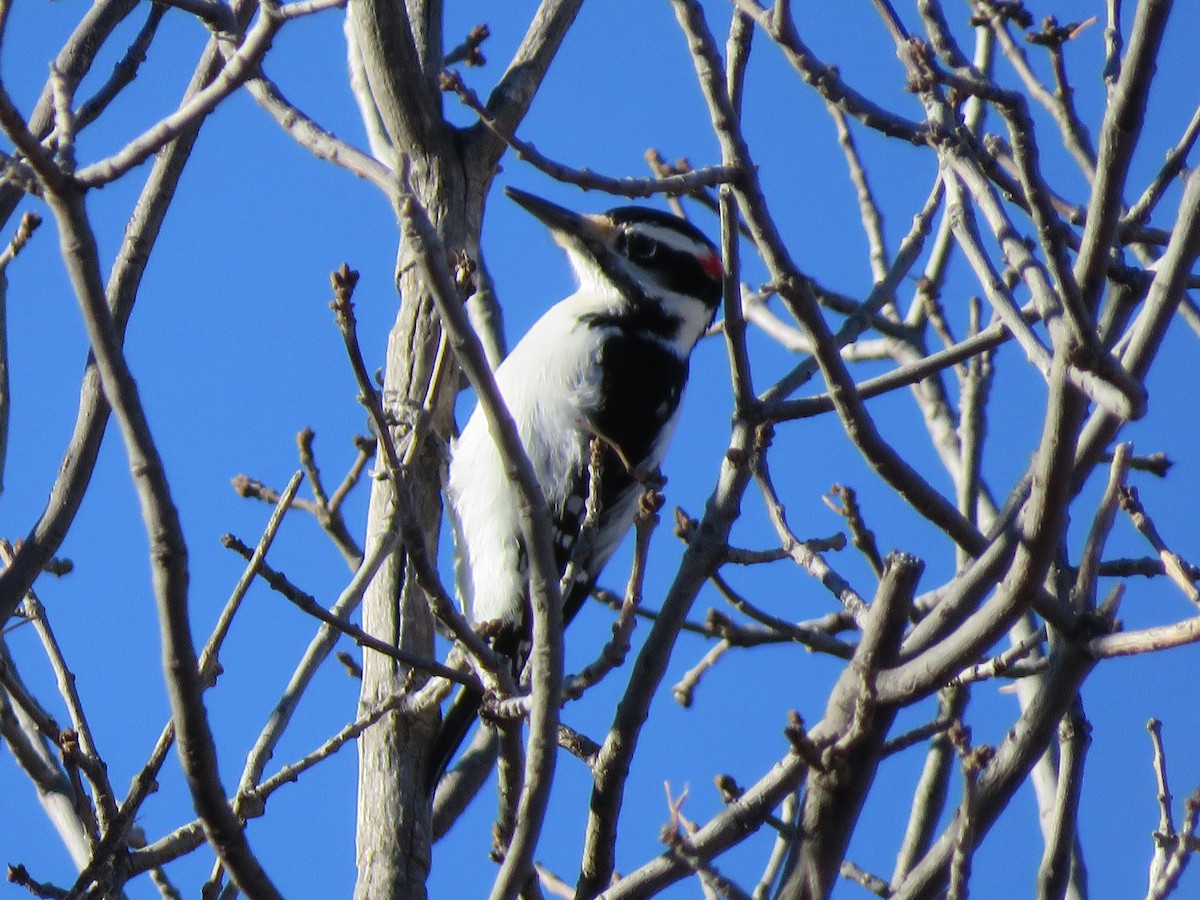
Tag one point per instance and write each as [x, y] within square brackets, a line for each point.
[711, 264]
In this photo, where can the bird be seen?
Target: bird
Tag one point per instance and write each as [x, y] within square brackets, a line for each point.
[602, 370]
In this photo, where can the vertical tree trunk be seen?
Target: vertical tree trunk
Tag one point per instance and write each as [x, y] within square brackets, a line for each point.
[394, 830]
[396, 59]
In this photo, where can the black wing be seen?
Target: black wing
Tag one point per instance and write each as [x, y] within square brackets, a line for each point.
[641, 384]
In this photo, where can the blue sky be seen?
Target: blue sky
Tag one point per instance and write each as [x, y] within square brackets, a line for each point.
[235, 351]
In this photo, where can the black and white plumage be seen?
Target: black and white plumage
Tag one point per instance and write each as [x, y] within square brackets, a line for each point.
[609, 361]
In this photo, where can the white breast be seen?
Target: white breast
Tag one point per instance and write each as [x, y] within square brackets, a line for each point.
[546, 379]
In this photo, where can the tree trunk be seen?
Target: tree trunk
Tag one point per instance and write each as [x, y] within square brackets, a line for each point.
[396, 58]
[394, 831]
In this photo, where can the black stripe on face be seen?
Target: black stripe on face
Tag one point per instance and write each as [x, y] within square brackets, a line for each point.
[682, 273]
[679, 270]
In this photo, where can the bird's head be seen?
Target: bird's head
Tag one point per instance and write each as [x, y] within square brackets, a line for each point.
[645, 257]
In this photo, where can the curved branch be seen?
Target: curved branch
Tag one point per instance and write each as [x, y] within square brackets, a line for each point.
[1118, 137]
[679, 183]
[511, 97]
[1163, 299]
[825, 79]
[73, 62]
[169, 565]
[79, 459]
[798, 296]
[1023, 745]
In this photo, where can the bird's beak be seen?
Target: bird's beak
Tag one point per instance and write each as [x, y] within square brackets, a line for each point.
[594, 232]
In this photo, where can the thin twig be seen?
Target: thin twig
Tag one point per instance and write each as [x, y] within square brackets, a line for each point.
[862, 536]
[1006, 663]
[85, 753]
[1175, 567]
[239, 68]
[125, 71]
[626, 187]
[344, 281]
[814, 638]
[797, 549]
[19, 875]
[1083, 592]
[1181, 851]
[144, 783]
[309, 605]
[250, 802]
[614, 652]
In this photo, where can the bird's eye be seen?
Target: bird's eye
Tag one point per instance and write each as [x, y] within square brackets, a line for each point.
[638, 247]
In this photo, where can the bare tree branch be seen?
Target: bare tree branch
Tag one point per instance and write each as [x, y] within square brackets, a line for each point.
[168, 551]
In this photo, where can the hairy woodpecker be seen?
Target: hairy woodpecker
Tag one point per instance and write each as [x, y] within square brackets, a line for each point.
[608, 362]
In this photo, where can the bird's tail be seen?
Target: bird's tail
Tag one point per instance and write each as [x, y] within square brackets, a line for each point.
[460, 715]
